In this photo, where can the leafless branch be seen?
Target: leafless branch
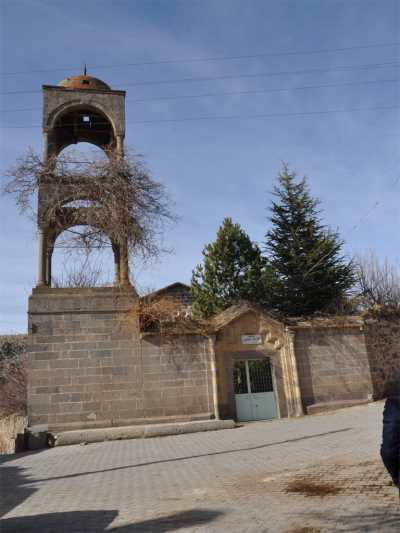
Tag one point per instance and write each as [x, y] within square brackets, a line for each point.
[378, 282]
[119, 197]
[81, 274]
[168, 317]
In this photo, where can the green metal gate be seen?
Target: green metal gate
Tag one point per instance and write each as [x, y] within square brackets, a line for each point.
[254, 391]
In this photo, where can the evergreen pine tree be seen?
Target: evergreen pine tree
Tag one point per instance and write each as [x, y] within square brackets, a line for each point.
[311, 273]
[233, 269]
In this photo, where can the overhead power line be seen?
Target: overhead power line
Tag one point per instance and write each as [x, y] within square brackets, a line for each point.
[241, 76]
[209, 59]
[260, 91]
[372, 209]
[352, 229]
[230, 93]
[270, 115]
[232, 117]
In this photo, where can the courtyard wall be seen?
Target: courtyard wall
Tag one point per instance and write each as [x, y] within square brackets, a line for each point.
[89, 367]
[333, 364]
[91, 364]
[382, 338]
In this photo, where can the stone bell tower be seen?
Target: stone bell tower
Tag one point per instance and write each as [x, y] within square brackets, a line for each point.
[79, 109]
[77, 353]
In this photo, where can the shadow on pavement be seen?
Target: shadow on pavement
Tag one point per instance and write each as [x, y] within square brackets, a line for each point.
[382, 520]
[15, 456]
[99, 521]
[15, 487]
[188, 457]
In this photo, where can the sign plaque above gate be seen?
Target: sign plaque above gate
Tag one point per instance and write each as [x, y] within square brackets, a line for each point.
[251, 339]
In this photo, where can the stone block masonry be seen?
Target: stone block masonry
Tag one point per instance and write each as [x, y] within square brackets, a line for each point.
[333, 365]
[382, 340]
[89, 368]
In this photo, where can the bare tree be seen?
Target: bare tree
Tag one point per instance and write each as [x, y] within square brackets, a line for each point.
[89, 202]
[378, 281]
[82, 273]
[119, 195]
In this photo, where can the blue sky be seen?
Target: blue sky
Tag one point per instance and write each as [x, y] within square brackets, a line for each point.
[218, 167]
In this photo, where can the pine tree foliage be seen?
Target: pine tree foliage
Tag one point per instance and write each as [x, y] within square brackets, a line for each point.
[311, 273]
[233, 269]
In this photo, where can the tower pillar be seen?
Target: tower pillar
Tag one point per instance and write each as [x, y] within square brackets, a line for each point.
[42, 258]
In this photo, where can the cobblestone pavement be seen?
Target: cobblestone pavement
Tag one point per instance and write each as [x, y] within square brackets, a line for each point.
[314, 474]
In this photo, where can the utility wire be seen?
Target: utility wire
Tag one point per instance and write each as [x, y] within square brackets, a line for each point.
[260, 91]
[356, 226]
[372, 209]
[231, 117]
[207, 59]
[230, 93]
[267, 74]
[241, 76]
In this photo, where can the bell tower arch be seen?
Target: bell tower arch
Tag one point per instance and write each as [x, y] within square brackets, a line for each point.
[79, 109]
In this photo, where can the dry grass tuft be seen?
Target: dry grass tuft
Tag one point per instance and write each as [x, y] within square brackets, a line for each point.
[310, 488]
[12, 429]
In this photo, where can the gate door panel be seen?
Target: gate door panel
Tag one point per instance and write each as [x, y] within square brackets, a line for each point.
[262, 390]
[254, 392]
[244, 410]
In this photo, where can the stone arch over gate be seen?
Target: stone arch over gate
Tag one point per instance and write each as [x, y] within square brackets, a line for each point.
[271, 340]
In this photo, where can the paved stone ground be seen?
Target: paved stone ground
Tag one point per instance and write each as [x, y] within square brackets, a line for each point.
[255, 478]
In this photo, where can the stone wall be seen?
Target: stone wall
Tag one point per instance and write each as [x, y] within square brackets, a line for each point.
[91, 366]
[13, 361]
[382, 338]
[177, 377]
[332, 365]
[88, 366]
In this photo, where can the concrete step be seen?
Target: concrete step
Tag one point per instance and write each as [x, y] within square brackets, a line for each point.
[135, 432]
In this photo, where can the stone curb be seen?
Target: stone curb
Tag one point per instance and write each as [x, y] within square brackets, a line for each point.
[327, 407]
[135, 432]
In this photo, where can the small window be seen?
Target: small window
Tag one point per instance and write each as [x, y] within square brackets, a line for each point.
[86, 118]
[85, 82]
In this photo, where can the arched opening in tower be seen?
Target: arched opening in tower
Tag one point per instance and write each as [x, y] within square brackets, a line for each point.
[80, 160]
[73, 264]
[82, 123]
